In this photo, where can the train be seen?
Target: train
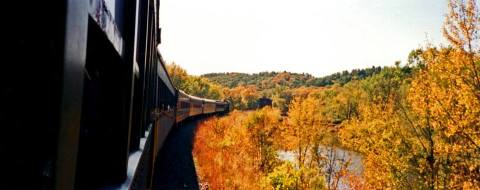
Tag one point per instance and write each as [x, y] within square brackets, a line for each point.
[189, 106]
[85, 98]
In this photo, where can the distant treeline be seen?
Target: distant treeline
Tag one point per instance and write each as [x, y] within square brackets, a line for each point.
[268, 80]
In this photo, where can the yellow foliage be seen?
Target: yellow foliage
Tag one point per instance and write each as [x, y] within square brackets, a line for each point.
[446, 99]
[302, 127]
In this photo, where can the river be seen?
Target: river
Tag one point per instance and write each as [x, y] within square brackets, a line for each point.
[338, 156]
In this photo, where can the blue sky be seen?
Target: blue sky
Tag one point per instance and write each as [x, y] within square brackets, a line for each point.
[313, 36]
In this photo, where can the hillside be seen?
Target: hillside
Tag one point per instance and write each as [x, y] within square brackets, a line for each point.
[268, 80]
[243, 90]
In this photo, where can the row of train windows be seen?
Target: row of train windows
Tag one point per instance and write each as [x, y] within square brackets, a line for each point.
[184, 104]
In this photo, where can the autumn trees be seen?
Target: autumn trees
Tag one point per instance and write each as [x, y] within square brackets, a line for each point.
[416, 126]
[462, 28]
[264, 129]
[237, 151]
[242, 97]
[377, 130]
[422, 131]
[269, 80]
[193, 85]
[445, 97]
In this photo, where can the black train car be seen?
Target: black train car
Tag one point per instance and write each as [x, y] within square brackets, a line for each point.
[85, 101]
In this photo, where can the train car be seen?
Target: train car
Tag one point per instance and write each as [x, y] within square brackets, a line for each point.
[209, 106]
[196, 106]
[183, 106]
[102, 106]
[189, 106]
[221, 106]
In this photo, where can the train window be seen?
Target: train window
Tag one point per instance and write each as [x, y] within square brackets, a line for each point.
[104, 115]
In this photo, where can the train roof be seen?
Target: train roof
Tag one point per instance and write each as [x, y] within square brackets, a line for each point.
[162, 73]
[181, 92]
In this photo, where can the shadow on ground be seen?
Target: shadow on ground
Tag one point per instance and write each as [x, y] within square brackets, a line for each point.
[175, 168]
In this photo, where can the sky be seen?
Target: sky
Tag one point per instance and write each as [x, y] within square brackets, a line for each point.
[319, 37]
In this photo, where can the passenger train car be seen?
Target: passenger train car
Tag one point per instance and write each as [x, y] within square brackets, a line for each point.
[85, 99]
[191, 106]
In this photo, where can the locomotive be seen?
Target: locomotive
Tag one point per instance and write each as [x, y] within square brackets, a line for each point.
[85, 99]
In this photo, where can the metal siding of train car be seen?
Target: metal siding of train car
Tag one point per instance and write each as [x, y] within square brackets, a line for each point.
[209, 106]
[183, 106]
[183, 109]
[104, 15]
[162, 73]
[196, 106]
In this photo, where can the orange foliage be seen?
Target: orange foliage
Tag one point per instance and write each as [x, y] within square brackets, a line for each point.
[219, 161]
[242, 97]
[233, 152]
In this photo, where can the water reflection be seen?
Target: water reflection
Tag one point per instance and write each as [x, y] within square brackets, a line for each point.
[334, 159]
